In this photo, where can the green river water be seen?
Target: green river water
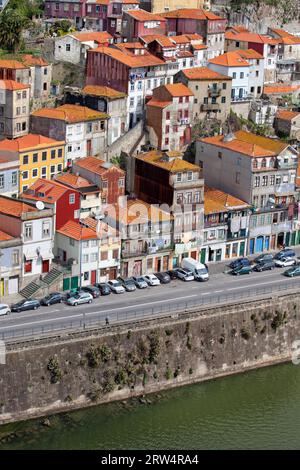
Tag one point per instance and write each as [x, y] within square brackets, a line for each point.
[256, 410]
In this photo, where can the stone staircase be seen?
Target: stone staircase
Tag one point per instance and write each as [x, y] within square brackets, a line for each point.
[42, 283]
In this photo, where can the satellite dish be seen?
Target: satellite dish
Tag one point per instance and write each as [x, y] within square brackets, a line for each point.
[40, 205]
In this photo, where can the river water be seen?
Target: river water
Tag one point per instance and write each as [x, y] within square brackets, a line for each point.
[256, 410]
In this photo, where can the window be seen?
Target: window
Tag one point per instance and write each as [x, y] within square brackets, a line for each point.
[59, 153]
[264, 163]
[2, 181]
[224, 86]
[18, 111]
[131, 102]
[68, 47]
[94, 243]
[28, 266]
[14, 178]
[252, 89]
[187, 99]
[85, 258]
[167, 129]
[189, 175]
[28, 231]
[46, 229]
[264, 181]
[220, 155]
[131, 86]
[223, 99]
[35, 173]
[186, 113]
[115, 254]
[44, 156]
[94, 257]
[168, 115]
[53, 154]
[237, 177]
[19, 96]
[44, 172]
[15, 257]
[24, 109]
[104, 256]
[234, 75]
[189, 198]
[257, 181]
[179, 177]
[35, 158]
[121, 183]
[85, 244]
[242, 75]
[72, 199]
[25, 160]
[25, 175]
[272, 180]
[205, 100]
[23, 126]
[180, 99]
[77, 214]
[197, 197]
[59, 168]
[140, 85]
[149, 264]
[166, 141]
[258, 89]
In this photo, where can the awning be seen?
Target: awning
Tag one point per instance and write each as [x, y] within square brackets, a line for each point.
[30, 254]
[46, 254]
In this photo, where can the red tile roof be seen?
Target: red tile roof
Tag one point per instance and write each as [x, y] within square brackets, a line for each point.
[74, 230]
[97, 90]
[5, 236]
[74, 181]
[14, 207]
[163, 40]
[279, 88]
[70, 113]
[145, 60]
[251, 37]
[99, 37]
[204, 73]
[32, 60]
[142, 15]
[12, 85]
[246, 148]
[158, 104]
[249, 54]
[178, 89]
[30, 141]
[230, 59]
[96, 165]
[45, 190]
[217, 201]
[191, 14]
[11, 64]
[287, 115]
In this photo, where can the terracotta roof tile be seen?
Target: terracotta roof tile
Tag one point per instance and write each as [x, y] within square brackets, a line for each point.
[45, 190]
[74, 230]
[74, 181]
[280, 89]
[137, 211]
[97, 90]
[70, 113]
[246, 148]
[12, 85]
[11, 64]
[158, 104]
[191, 13]
[174, 165]
[198, 47]
[14, 207]
[250, 37]
[99, 37]
[217, 201]
[272, 145]
[163, 40]
[204, 73]
[5, 236]
[31, 60]
[145, 60]
[96, 165]
[30, 141]
[230, 59]
[143, 15]
[249, 54]
[178, 89]
[286, 115]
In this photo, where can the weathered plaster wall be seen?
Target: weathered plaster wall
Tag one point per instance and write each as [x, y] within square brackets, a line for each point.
[64, 373]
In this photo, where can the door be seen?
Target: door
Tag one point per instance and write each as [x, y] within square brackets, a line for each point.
[194, 255]
[1, 287]
[66, 283]
[273, 242]
[137, 268]
[242, 249]
[93, 277]
[74, 282]
[158, 265]
[165, 263]
[89, 147]
[287, 239]
[251, 246]
[267, 243]
[218, 255]
[112, 273]
[259, 244]
[45, 266]
[13, 285]
[203, 255]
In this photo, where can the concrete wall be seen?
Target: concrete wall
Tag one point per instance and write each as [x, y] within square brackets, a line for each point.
[127, 142]
[68, 372]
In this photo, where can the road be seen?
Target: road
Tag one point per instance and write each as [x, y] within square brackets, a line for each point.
[145, 303]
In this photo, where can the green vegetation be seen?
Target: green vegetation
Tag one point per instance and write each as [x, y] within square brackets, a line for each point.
[54, 369]
[279, 319]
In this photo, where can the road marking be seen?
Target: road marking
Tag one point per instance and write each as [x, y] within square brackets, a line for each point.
[216, 291]
[254, 285]
[43, 321]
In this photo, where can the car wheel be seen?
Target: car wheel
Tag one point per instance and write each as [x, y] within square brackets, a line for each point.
[18, 310]
[60, 301]
[90, 301]
[75, 304]
[8, 312]
[35, 307]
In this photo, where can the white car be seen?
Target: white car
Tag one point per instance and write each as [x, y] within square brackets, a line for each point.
[4, 309]
[116, 287]
[151, 280]
[284, 262]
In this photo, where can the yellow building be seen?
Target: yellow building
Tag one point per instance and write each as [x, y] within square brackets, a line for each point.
[39, 157]
[160, 6]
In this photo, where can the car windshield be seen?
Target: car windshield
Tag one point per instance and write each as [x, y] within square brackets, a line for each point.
[116, 284]
[140, 279]
[128, 281]
[201, 271]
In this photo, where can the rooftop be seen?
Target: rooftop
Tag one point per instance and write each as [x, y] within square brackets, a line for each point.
[163, 40]
[27, 142]
[32, 61]
[14, 207]
[96, 165]
[136, 211]
[143, 15]
[5, 236]
[45, 190]
[74, 230]
[11, 64]
[107, 92]
[251, 37]
[287, 115]
[204, 73]
[178, 89]
[249, 54]
[73, 181]
[191, 14]
[99, 37]
[12, 85]
[145, 60]
[218, 201]
[280, 88]
[158, 103]
[173, 163]
[230, 59]
[71, 113]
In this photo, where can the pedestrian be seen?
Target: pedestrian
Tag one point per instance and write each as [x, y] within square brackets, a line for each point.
[107, 321]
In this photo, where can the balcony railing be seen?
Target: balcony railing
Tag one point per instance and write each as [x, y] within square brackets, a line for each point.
[285, 188]
[285, 226]
[132, 253]
[210, 107]
[214, 91]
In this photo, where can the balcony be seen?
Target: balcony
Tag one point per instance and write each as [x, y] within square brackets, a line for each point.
[284, 189]
[210, 107]
[285, 226]
[133, 253]
[291, 165]
[214, 91]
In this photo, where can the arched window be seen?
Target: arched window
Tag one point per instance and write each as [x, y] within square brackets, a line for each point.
[255, 163]
[263, 163]
[272, 162]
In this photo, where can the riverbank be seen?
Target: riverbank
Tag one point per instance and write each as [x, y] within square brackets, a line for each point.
[256, 410]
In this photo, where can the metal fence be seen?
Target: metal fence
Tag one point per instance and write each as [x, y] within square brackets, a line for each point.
[170, 309]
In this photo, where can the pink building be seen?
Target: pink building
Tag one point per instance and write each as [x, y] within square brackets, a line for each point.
[138, 23]
[66, 9]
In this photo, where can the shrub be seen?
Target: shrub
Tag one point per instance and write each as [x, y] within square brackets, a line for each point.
[54, 369]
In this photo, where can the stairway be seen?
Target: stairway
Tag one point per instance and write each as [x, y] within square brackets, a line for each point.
[31, 289]
[52, 276]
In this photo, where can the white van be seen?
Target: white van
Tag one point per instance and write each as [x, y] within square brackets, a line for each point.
[4, 309]
[199, 270]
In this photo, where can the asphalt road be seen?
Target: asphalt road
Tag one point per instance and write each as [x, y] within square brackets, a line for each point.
[145, 303]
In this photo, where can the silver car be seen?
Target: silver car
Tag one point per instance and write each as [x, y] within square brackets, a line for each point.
[80, 298]
[116, 287]
[184, 274]
[4, 309]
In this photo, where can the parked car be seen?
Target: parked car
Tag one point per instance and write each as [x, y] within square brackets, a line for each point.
[264, 257]
[53, 298]
[239, 262]
[93, 290]
[128, 284]
[72, 292]
[246, 269]
[116, 287]
[285, 261]
[163, 277]
[104, 288]
[199, 270]
[140, 282]
[291, 272]
[26, 304]
[80, 298]
[264, 266]
[172, 273]
[4, 309]
[185, 274]
[286, 253]
[151, 280]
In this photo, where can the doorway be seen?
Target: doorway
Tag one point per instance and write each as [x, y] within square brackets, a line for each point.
[45, 266]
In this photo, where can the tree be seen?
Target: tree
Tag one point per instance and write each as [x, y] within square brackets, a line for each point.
[12, 23]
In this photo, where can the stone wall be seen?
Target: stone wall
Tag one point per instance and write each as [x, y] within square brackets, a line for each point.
[68, 372]
[129, 142]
